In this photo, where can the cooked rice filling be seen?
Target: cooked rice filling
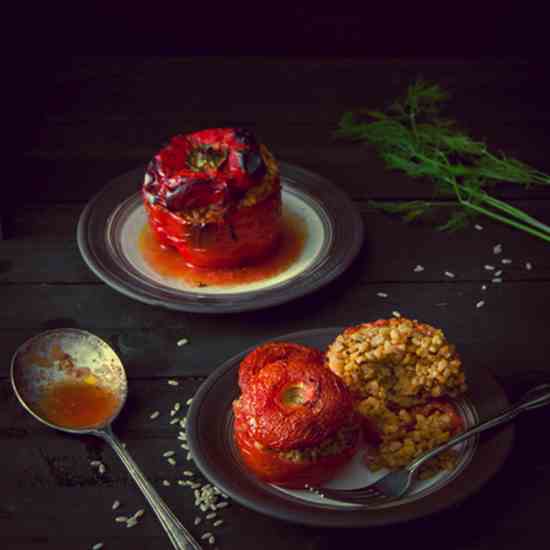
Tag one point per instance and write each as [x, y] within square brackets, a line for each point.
[343, 439]
[391, 366]
[406, 435]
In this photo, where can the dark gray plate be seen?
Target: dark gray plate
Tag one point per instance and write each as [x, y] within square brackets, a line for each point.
[107, 231]
[209, 429]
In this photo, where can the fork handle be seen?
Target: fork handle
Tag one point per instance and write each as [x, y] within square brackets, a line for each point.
[538, 396]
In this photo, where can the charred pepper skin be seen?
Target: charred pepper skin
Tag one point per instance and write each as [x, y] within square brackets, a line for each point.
[195, 194]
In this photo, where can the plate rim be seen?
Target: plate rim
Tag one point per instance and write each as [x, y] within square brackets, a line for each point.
[353, 221]
[347, 518]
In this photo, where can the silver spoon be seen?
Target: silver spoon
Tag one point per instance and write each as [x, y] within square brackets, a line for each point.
[71, 355]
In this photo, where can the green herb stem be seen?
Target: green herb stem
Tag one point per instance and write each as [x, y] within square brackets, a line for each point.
[508, 208]
[505, 220]
[413, 137]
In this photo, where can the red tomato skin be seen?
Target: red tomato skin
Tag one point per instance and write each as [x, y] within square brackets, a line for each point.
[271, 352]
[271, 468]
[327, 405]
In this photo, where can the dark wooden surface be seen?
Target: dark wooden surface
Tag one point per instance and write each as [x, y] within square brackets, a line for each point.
[96, 118]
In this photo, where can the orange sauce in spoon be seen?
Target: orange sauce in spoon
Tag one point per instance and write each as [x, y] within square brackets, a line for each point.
[78, 404]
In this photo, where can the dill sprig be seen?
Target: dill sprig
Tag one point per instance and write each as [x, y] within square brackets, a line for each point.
[413, 136]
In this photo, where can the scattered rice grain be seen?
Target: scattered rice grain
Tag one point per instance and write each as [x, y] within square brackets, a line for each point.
[211, 540]
[483, 287]
[95, 463]
[211, 516]
[381, 294]
[478, 227]
[189, 456]
[168, 454]
[418, 268]
[184, 446]
[497, 249]
[156, 414]
[528, 266]
[131, 523]
[189, 401]
[197, 520]
[218, 522]
[496, 280]
[171, 461]
[449, 274]
[481, 303]
[174, 421]
[166, 483]
[222, 504]
[173, 383]
[182, 342]
[188, 473]
[396, 313]
[121, 519]
[206, 535]
[506, 261]
[116, 505]
[489, 267]
[138, 514]
[97, 546]
[498, 273]
[101, 469]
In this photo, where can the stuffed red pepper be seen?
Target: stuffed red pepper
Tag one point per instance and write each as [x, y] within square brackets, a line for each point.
[215, 196]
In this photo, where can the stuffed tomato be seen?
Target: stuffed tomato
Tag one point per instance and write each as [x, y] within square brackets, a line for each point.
[294, 421]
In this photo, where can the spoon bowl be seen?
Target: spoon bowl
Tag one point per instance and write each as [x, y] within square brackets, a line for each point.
[67, 356]
[82, 363]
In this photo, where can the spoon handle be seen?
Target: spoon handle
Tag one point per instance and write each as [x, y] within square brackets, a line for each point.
[179, 536]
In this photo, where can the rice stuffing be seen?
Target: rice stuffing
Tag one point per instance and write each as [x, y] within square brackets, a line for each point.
[395, 368]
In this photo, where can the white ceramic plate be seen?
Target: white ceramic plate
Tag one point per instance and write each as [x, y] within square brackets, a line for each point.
[109, 227]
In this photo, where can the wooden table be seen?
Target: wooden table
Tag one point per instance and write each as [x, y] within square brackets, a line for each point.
[96, 118]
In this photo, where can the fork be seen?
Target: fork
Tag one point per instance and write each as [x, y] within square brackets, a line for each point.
[395, 484]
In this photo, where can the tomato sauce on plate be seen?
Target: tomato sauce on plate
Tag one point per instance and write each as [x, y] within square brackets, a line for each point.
[169, 263]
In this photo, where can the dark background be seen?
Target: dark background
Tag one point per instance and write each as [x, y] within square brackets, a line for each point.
[42, 41]
[273, 28]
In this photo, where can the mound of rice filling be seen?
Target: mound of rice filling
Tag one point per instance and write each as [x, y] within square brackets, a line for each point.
[394, 366]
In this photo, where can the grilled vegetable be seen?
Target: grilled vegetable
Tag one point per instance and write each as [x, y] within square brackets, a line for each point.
[215, 196]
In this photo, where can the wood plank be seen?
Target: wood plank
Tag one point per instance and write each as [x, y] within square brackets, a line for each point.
[294, 105]
[499, 335]
[117, 86]
[41, 248]
[54, 178]
[48, 467]
[99, 117]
